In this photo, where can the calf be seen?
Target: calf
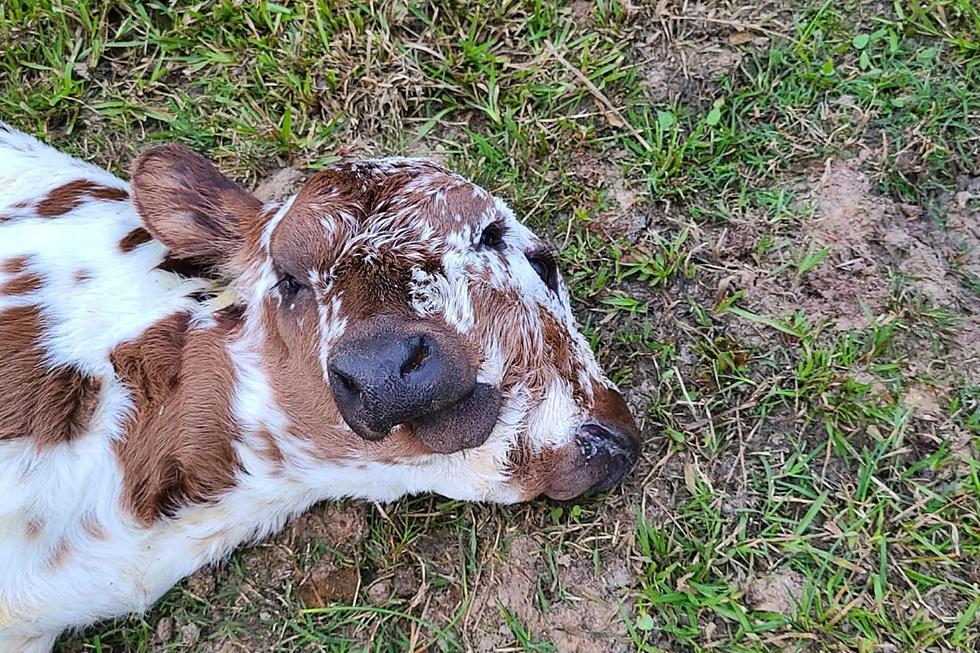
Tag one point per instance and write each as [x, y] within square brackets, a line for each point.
[182, 369]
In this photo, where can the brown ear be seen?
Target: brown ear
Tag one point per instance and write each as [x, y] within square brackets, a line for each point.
[188, 205]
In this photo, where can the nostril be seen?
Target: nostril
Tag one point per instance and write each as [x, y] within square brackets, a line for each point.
[587, 443]
[594, 438]
[348, 383]
[418, 353]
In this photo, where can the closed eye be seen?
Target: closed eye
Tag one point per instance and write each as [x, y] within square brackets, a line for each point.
[288, 285]
[544, 264]
[492, 236]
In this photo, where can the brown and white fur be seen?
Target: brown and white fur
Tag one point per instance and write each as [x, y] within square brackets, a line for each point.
[164, 351]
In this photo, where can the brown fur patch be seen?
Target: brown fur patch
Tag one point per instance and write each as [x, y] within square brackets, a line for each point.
[81, 276]
[50, 405]
[270, 450]
[23, 284]
[347, 195]
[70, 196]
[560, 349]
[399, 447]
[538, 472]
[92, 527]
[15, 265]
[59, 556]
[292, 359]
[33, 528]
[178, 444]
[507, 322]
[229, 317]
[134, 239]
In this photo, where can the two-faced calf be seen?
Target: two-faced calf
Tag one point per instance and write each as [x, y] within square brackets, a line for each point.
[182, 368]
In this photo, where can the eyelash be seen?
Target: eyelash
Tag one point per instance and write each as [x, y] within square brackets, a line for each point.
[544, 264]
[542, 260]
[288, 284]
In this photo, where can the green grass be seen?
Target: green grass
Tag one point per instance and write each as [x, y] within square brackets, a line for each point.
[778, 443]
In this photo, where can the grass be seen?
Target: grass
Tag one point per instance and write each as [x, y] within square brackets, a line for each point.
[685, 163]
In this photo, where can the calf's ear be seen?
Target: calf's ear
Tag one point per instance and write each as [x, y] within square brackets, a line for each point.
[189, 206]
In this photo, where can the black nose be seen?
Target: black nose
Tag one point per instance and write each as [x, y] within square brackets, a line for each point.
[611, 452]
[379, 382]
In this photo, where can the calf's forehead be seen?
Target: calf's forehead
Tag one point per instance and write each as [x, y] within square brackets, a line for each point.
[406, 234]
[388, 203]
[432, 206]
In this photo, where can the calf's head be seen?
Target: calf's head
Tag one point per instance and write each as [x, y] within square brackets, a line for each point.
[402, 316]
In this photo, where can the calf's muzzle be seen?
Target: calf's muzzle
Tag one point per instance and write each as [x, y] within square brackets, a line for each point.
[415, 375]
[601, 452]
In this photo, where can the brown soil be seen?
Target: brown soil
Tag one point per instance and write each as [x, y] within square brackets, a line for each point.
[694, 44]
[779, 592]
[279, 185]
[871, 239]
[587, 619]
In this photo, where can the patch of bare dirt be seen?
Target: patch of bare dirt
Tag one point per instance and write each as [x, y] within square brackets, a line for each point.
[329, 582]
[779, 592]
[266, 569]
[850, 282]
[279, 185]
[164, 631]
[331, 526]
[689, 71]
[962, 250]
[692, 45]
[924, 402]
[224, 646]
[963, 225]
[401, 584]
[335, 525]
[625, 214]
[587, 619]
[869, 240]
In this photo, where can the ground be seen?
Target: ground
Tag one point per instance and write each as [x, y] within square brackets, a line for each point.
[769, 216]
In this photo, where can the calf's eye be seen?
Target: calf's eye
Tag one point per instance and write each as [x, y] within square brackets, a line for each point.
[544, 264]
[289, 285]
[492, 236]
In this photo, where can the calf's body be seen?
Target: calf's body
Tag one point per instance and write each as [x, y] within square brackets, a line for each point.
[165, 383]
